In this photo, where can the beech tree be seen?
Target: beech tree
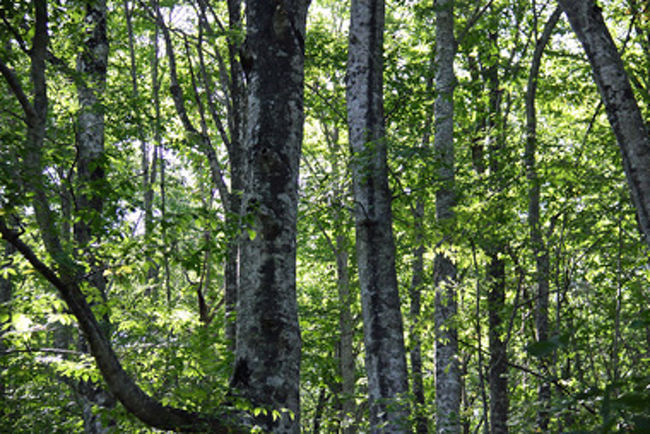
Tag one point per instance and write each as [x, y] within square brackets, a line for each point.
[622, 109]
[165, 267]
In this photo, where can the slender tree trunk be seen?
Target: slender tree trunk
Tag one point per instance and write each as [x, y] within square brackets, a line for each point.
[382, 319]
[148, 168]
[267, 354]
[91, 187]
[540, 251]
[620, 104]
[495, 249]
[237, 126]
[346, 327]
[6, 289]
[497, 378]
[417, 281]
[448, 384]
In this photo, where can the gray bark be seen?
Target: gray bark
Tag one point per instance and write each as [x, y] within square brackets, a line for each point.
[448, 384]
[382, 319]
[92, 65]
[620, 104]
[540, 251]
[267, 353]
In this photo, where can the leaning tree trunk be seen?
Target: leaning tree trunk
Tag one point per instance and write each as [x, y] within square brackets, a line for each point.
[622, 109]
[267, 353]
[448, 384]
[382, 319]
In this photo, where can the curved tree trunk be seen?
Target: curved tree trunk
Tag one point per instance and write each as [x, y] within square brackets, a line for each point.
[382, 318]
[540, 250]
[620, 104]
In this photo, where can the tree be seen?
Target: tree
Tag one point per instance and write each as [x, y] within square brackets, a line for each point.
[622, 109]
[382, 318]
[447, 369]
[263, 373]
[267, 352]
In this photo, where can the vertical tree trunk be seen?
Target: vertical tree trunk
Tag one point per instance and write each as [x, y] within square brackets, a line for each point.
[92, 65]
[495, 249]
[620, 104]
[6, 289]
[346, 327]
[540, 251]
[497, 378]
[267, 354]
[417, 282]
[382, 319]
[448, 384]
[236, 125]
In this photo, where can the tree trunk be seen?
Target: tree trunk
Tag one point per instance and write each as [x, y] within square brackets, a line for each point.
[382, 319]
[495, 249]
[417, 282]
[346, 327]
[267, 354]
[497, 375]
[622, 109]
[236, 125]
[540, 251]
[448, 384]
[91, 188]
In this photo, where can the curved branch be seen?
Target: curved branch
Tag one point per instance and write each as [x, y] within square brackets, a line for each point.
[121, 385]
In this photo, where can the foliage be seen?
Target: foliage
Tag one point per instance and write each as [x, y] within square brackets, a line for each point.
[596, 357]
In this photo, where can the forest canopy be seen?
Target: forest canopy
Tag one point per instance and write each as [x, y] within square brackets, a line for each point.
[291, 216]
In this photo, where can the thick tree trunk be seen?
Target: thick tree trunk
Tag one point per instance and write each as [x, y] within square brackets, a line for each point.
[267, 354]
[622, 109]
[448, 384]
[540, 251]
[382, 319]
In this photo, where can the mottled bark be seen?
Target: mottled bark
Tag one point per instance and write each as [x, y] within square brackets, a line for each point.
[382, 319]
[448, 384]
[621, 106]
[267, 353]
[540, 251]
[90, 180]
